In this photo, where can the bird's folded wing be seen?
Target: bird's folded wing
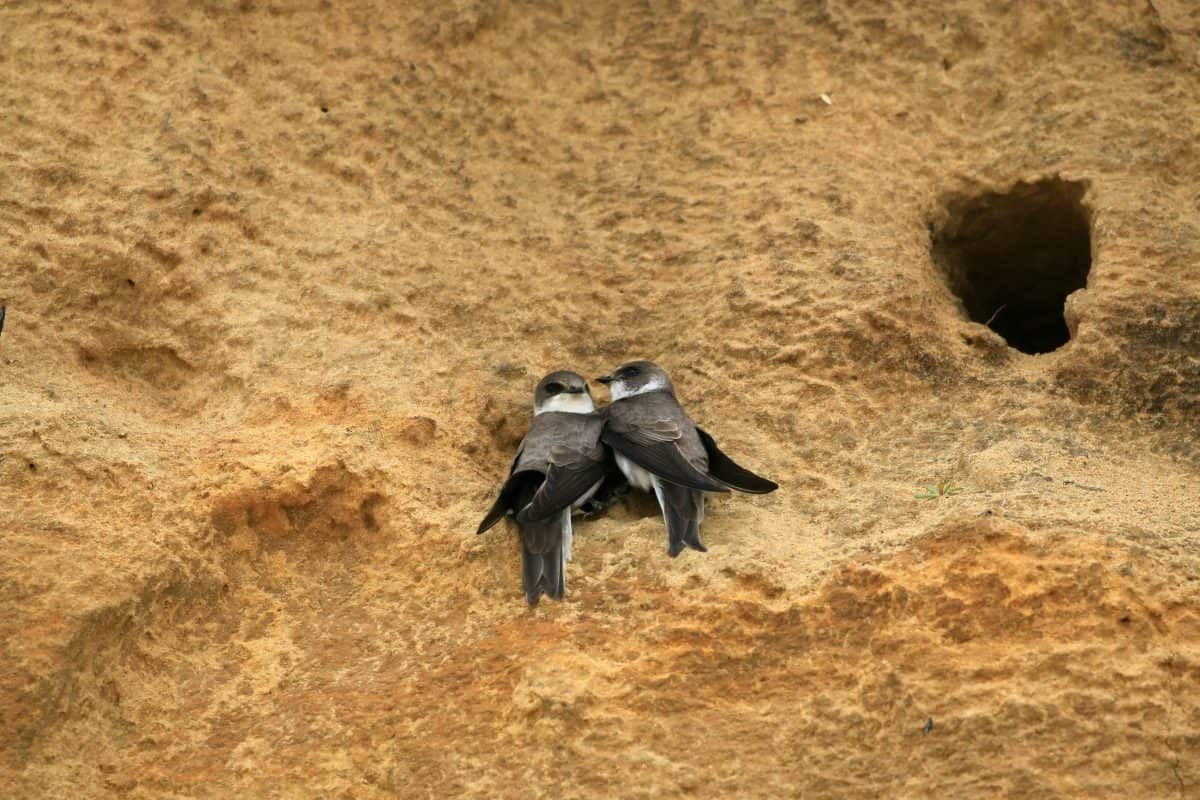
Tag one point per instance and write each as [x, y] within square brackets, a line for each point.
[724, 469]
[568, 478]
[499, 509]
[653, 446]
[505, 499]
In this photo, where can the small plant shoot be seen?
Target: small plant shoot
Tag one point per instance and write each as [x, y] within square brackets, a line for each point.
[933, 491]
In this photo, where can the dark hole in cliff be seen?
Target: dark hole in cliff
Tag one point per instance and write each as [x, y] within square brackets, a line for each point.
[1013, 258]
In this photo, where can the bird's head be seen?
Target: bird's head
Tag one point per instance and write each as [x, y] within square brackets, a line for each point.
[637, 377]
[564, 391]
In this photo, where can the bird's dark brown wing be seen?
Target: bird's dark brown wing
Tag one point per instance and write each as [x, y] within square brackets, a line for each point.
[653, 444]
[564, 484]
[726, 470]
[499, 509]
[517, 490]
[505, 501]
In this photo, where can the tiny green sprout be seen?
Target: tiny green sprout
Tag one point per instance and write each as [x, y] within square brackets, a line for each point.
[933, 491]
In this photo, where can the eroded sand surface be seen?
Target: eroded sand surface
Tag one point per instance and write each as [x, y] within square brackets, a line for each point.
[280, 283]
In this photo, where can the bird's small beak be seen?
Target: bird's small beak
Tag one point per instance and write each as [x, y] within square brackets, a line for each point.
[605, 379]
[576, 389]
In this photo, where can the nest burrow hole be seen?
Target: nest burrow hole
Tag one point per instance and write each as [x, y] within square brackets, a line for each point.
[1013, 257]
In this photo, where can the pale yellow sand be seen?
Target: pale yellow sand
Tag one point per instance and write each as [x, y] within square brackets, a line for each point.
[264, 367]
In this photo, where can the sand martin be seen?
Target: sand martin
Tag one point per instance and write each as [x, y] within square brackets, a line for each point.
[558, 467]
[661, 450]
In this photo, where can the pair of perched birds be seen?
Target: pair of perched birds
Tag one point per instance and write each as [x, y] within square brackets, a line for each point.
[563, 461]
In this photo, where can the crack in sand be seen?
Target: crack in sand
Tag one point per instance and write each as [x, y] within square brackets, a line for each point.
[1171, 705]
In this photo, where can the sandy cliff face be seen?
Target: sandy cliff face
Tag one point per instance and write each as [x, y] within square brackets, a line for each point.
[280, 282]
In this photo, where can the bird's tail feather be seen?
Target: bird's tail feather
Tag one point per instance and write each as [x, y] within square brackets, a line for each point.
[683, 510]
[546, 572]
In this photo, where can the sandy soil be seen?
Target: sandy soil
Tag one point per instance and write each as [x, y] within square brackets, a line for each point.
[280, 282]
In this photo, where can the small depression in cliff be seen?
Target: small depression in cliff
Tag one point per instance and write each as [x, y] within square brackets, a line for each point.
[1013, 257]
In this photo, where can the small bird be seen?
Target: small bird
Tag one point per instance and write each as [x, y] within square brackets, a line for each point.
[559, 465]
[661, 450]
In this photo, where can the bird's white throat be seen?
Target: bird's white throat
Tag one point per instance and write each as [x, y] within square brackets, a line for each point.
[620, 390]
[567, 402]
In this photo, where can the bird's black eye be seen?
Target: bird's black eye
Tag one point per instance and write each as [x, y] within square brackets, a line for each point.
[554, 388]
[630, 372]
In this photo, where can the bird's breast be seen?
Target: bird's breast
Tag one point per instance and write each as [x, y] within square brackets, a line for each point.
[636, 476]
